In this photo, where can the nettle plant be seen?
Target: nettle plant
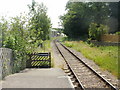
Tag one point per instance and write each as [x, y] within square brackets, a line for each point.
[96, 30]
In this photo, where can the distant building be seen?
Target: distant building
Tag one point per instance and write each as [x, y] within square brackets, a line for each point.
[54, 33]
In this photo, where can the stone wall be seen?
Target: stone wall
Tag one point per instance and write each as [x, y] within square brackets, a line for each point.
[6, 62]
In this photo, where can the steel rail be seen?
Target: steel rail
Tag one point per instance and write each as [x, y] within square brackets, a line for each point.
[80, 84]
[101, 77]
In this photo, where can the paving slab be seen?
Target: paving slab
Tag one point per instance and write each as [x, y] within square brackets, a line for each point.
[38, 78]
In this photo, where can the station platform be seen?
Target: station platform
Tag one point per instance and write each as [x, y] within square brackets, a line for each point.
[29, 79]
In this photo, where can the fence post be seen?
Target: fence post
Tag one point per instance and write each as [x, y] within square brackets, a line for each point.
[50, 58]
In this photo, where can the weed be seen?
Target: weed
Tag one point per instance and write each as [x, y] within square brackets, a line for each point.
[104, 56]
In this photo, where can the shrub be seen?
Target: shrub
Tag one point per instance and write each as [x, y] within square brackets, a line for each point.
[15, 39]
[95, 31]
[117, 33]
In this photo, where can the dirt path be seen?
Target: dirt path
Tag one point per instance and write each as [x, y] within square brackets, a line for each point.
[58, 60]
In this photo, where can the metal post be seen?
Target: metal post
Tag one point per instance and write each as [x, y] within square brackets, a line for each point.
[50, 58]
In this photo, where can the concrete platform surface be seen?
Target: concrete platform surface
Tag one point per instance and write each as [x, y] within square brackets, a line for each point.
[38, 78]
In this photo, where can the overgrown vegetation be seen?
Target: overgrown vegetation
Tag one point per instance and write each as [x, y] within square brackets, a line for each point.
[81, 15]
[14, 38]
[39, 22]
[23, 34]
[117, 33]
[44, 47]
[96, 31]
[104, 56]
[88, 21]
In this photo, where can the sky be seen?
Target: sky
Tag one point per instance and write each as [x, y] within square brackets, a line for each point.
[12, 8]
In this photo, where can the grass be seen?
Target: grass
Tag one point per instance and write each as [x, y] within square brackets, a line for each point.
[46, 48]
[104, 56]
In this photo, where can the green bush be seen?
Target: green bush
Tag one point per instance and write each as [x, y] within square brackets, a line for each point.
[117, 33]
[95, 31]
[23, 34]
[14, 38]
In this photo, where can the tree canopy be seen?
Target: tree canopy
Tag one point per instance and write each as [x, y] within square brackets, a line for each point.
[80, 15]
[23, 33]
[39, 22]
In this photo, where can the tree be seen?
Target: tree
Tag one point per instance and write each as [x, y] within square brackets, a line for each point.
[0, 35]
[3, 29]
[17, 32]
[39, 22]
[80, 15]
[113, 20]
[96, 31]
[14, 38]
[73, 21]
[118, 30]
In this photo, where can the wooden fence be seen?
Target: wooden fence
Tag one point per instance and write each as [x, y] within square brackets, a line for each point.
[110, 38]
[104, 43]
[107, 40]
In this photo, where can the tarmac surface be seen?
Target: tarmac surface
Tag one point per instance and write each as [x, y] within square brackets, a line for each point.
[38, 78]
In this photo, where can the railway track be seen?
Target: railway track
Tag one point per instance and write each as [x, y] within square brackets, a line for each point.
[82, 76]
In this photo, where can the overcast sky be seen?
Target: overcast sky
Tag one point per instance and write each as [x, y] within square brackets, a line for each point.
[11, 8]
